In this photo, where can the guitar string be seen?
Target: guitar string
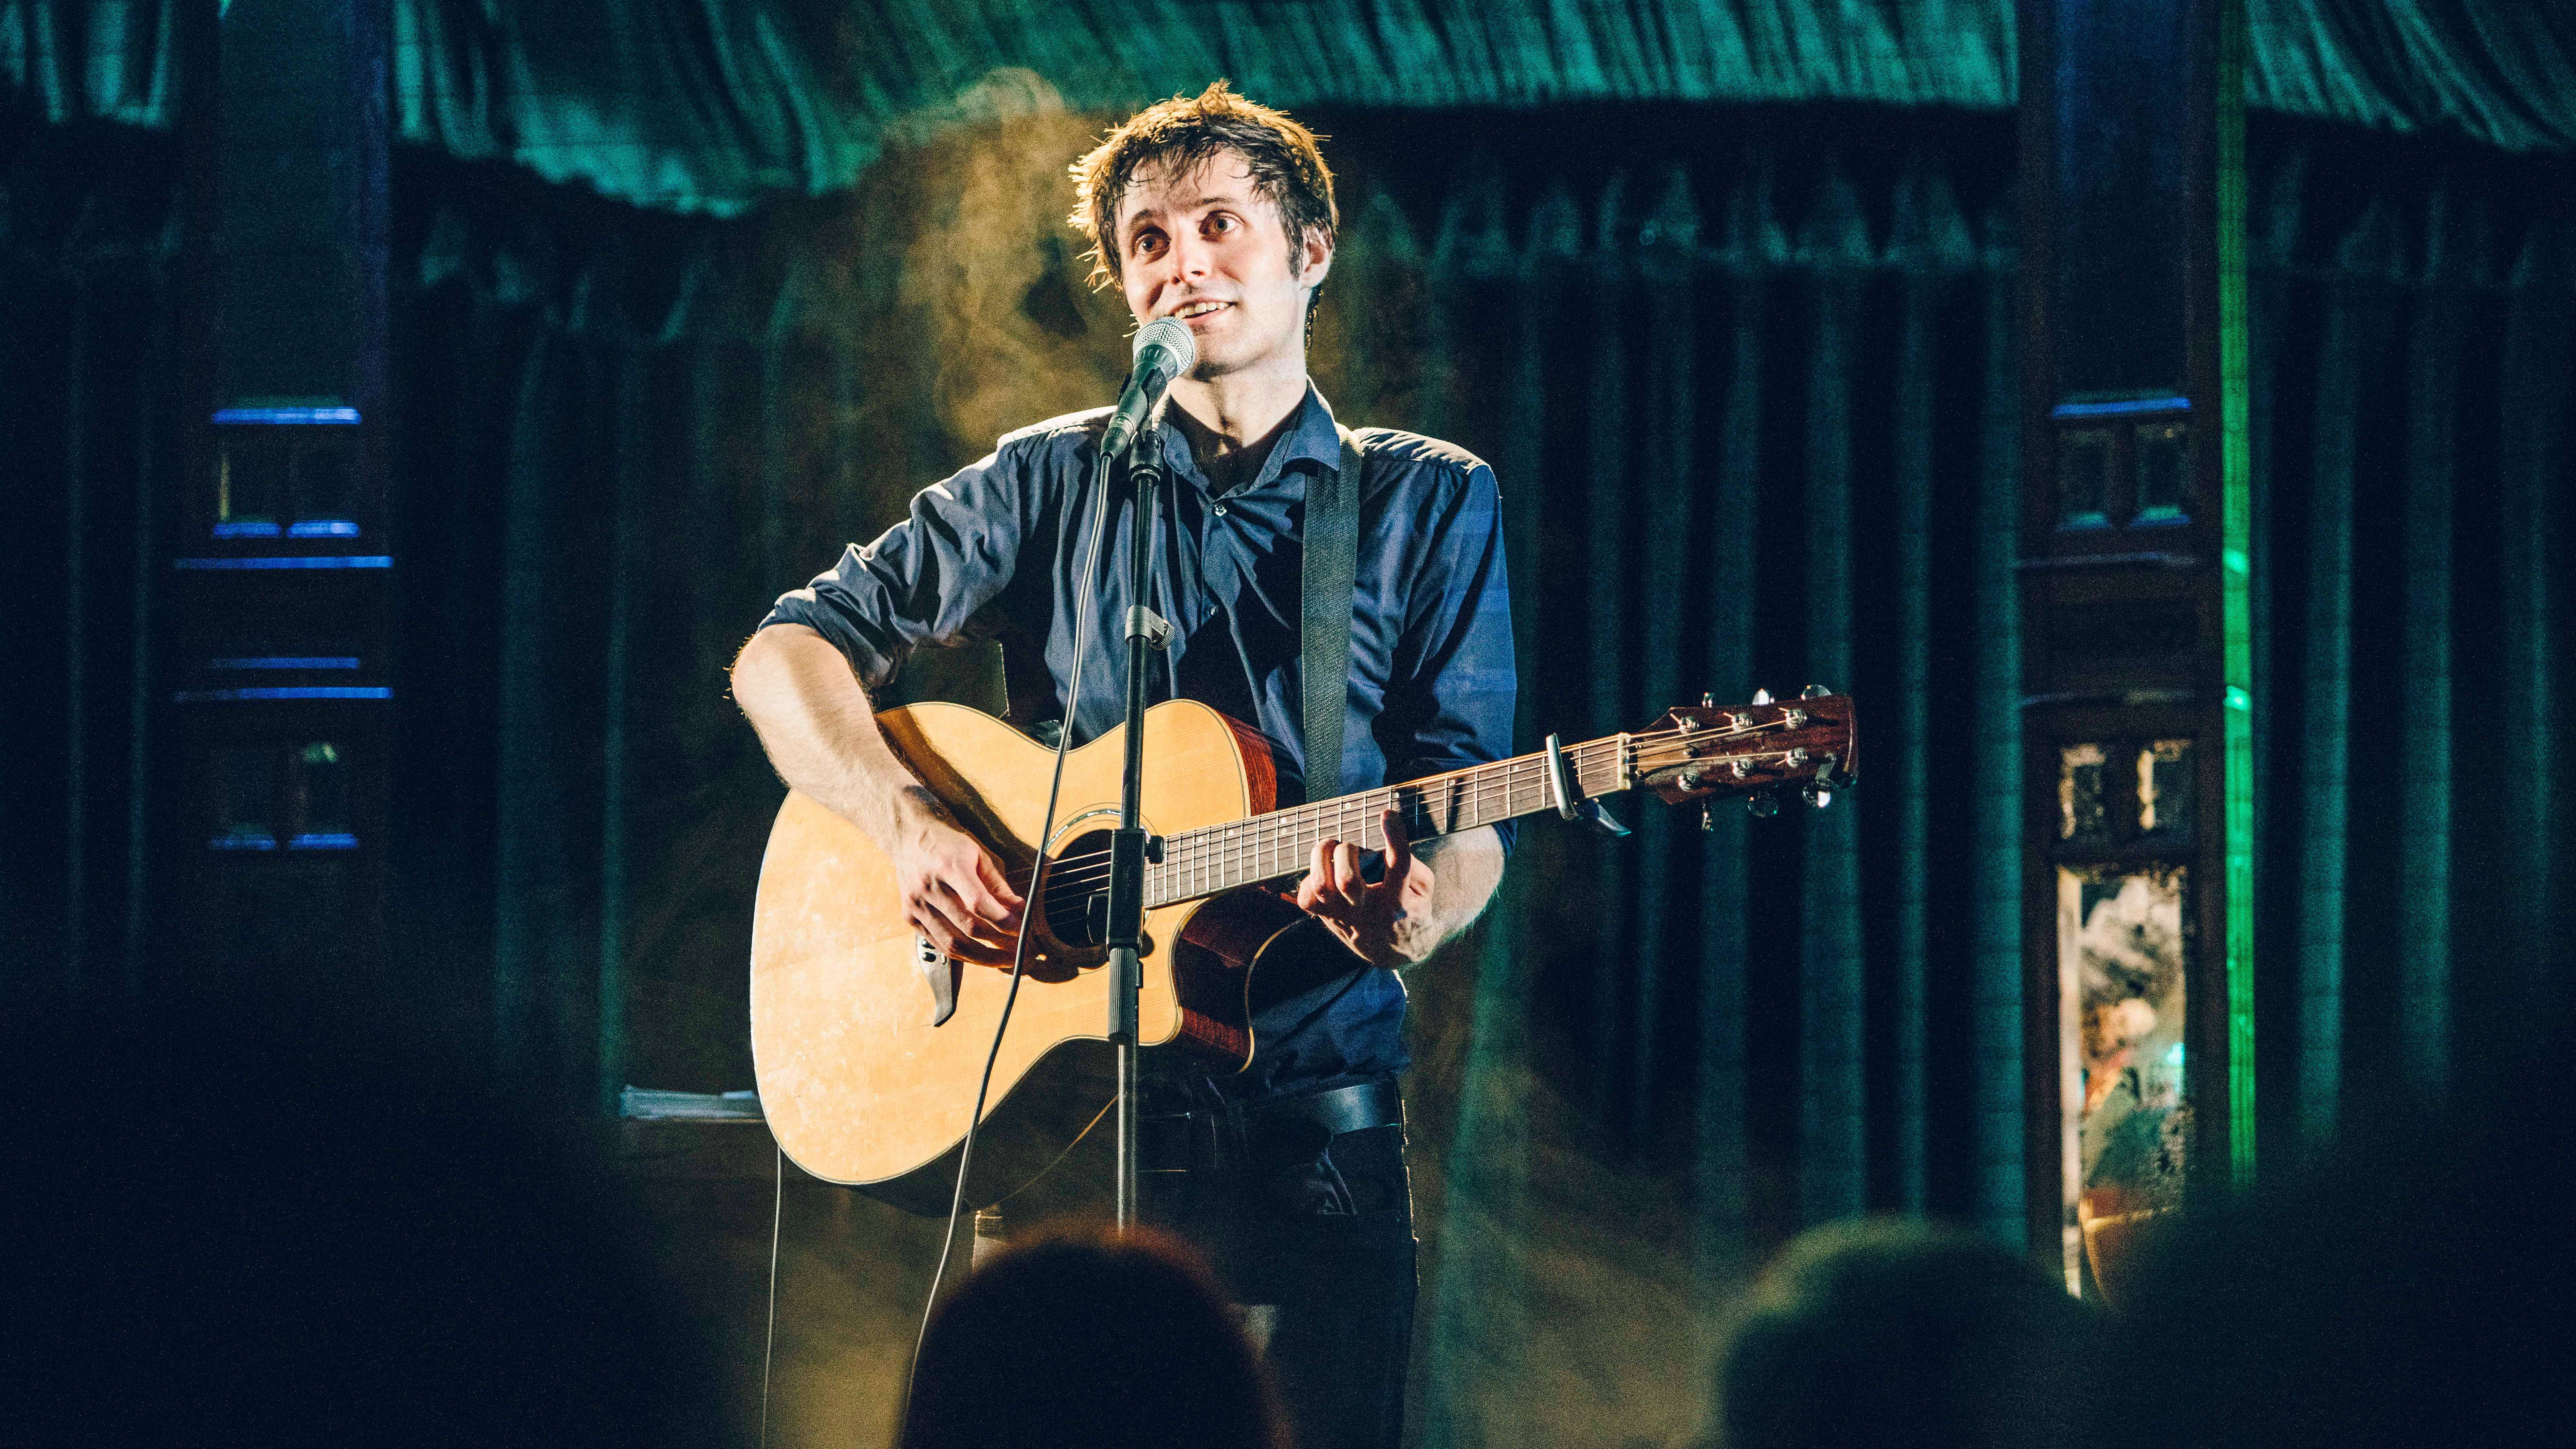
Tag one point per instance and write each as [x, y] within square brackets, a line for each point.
[1191, 853]
[1507, 779]
[1219, 854]
[1200, 848]
[1418, 799]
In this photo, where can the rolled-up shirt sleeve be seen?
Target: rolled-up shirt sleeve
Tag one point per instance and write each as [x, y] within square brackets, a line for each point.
[925, 580]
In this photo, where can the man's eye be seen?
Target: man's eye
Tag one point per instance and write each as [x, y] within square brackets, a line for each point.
[1147, 242]
[1221, 222]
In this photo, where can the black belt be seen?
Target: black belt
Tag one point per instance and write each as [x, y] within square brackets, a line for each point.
[1241, 1133]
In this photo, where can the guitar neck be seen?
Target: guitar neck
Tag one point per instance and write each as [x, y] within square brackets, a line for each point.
[1282, 843]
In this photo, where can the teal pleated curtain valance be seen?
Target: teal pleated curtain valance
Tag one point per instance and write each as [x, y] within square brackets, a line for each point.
[84, 60]
[2498, 71]
[713, 105]
[703, 105]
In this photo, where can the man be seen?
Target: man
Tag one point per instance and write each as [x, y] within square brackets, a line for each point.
[1291, 1174]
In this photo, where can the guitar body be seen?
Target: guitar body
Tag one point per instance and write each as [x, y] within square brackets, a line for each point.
[861, 1087]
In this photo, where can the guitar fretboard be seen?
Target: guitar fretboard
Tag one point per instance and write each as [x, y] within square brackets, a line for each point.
[1282, 843]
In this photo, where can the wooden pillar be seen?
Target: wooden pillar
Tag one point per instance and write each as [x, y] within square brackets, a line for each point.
[275, 638]
[2135, 562]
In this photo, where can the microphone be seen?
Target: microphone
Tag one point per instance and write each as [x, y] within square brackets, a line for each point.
[1164, 350]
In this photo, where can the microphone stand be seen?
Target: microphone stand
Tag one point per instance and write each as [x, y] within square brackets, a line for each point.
[1129, 846]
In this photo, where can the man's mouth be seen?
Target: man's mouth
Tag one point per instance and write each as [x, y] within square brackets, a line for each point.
[1201, 309]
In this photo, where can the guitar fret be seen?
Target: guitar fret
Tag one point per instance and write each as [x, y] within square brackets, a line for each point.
[1243, 852]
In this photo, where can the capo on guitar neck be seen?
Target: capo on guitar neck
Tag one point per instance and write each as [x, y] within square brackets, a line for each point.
[1560, 789]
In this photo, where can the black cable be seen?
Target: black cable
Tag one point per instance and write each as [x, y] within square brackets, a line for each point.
[769, 1349]
[1019, 953]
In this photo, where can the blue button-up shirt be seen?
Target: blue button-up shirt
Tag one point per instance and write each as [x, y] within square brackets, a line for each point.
[998, 552]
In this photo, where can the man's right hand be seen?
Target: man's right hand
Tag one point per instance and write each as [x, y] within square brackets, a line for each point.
[954, 890]
[821, 733]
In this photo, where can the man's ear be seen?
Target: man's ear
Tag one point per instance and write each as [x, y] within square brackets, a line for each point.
[1315, 255]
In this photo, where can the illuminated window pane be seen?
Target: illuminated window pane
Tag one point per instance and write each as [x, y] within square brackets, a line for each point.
[2164, 789]
[245, 800]
[250, 485]
[2081, 815]
[2083, 478]
[2164, 472]
[2121, 978]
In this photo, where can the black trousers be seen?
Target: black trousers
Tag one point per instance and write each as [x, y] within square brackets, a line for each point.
[1322, 1234]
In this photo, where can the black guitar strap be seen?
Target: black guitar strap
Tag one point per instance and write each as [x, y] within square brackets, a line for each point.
[1331, 570]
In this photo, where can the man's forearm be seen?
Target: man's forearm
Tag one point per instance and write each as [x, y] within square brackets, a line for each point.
[1465, 870]
[821, 731]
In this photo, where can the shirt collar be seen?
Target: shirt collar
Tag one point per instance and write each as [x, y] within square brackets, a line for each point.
[1311, 437]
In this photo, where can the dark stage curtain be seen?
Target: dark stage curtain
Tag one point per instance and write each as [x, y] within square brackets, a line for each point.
[706, 106]
[89, 359]
[716, 105]
[2497, 71]
[2413, 310]
[578, 390]
[92, 60]
[1752, 403]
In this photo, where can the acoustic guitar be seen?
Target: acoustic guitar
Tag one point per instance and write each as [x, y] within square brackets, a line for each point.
[868, 1042]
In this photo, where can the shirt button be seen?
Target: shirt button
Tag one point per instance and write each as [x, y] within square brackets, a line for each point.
[1220, 510]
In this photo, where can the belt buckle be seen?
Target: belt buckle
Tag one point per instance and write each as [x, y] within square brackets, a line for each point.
[1203, 1142]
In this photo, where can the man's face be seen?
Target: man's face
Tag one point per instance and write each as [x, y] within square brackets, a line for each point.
[1203, 246]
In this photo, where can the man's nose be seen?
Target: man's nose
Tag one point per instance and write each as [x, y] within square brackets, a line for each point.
[1191, 257]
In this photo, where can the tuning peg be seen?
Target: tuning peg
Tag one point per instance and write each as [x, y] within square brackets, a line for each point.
[1763, 804]
[1816, 793]
[1814, 691]
[1761, 696]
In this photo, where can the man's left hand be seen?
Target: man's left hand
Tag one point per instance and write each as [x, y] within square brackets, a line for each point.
[1387, 924]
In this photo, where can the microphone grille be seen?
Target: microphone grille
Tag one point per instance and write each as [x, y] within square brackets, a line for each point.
[1173, 336]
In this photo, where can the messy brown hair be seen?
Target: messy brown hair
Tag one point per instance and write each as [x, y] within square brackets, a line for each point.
[1287, 170]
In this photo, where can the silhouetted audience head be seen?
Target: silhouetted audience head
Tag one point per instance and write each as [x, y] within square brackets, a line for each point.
[1083, 1340]
[282, 1221]
[1894, 1333]
[2409, 1287]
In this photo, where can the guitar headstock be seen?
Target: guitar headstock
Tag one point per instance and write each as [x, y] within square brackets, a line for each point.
[1710, 750]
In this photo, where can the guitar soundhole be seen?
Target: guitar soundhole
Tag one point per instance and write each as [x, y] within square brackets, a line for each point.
[1075, 879]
